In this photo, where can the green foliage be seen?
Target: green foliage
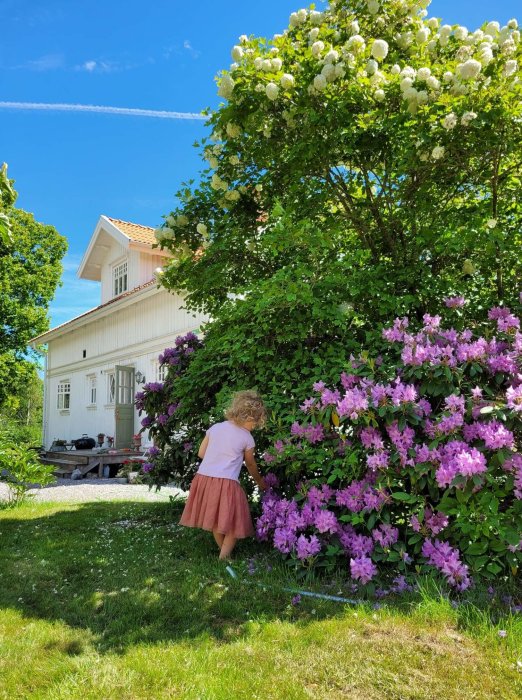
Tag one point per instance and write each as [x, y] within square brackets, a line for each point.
[406, 161]
[30, 271]
[22, 410]
[7, 199]
[21, 469]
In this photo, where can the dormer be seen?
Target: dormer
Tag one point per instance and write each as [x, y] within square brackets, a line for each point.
[121, 257]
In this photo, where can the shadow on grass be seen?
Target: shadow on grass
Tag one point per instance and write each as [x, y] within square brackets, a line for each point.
[127, 574]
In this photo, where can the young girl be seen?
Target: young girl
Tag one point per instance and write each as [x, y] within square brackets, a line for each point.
[216, 501]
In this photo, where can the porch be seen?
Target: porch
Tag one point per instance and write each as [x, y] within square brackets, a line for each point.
[86, 460]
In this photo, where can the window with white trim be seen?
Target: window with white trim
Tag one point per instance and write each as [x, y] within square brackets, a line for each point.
[91, 389]
[111, 387]
[119, 277]
[161, 372]
[63, 396]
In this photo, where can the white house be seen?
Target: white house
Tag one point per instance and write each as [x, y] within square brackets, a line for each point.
[95, 362]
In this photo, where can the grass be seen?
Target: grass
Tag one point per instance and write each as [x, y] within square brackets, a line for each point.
[116, 601]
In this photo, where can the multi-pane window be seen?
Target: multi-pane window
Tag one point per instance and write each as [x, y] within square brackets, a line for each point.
[111, 387]
[161, 372]
[64, 395]
[91, 388]
[119, 276]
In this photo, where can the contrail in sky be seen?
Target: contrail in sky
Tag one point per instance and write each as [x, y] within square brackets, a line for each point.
[126, 111]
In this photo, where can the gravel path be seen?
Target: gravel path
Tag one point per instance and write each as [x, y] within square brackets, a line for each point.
[85, 490]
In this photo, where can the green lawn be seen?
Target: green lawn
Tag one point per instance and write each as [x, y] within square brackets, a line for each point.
[114, 600]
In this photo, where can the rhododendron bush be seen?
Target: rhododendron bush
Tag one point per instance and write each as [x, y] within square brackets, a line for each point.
[412, 462]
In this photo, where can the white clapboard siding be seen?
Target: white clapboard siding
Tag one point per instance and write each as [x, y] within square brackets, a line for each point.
[133, 335]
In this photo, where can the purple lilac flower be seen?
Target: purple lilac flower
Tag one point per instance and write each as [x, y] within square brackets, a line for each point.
[454, 302]
[162, 419]
[153, 451]
[362, 569]
[172, 408]
[308, 547]
[147, 467]
[147, 421]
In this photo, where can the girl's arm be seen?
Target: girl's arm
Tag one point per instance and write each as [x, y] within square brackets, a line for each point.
[252, 469]
[203, 447]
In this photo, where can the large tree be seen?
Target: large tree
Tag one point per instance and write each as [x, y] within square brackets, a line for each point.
[365, 163]
[30, 270]
[398, 138]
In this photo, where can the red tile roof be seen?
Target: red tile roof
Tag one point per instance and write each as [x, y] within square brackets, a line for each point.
[135, 232]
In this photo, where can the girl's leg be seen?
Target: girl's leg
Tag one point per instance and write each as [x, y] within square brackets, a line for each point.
[229, 543]
[219, 537]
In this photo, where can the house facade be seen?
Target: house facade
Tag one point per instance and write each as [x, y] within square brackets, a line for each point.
[95, 362]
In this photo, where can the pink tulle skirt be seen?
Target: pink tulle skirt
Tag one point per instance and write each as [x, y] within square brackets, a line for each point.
[218, 504]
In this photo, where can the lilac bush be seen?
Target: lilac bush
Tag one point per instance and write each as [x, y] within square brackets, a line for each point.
[412, 463]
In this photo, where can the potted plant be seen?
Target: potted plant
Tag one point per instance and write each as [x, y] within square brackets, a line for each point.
[136, 439]
[58, 445]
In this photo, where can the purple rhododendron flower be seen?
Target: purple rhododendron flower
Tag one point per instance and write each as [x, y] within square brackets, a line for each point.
[147, 467]
[325, 521]
[308, 547]
[147, 421]
[454, 302]
[446, 558]
[362, 569]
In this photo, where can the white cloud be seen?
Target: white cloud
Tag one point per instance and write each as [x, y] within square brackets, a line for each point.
[89, 66]
[52, 61]
[101, 109]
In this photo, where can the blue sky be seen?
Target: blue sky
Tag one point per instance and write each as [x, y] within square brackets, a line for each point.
[70, 167]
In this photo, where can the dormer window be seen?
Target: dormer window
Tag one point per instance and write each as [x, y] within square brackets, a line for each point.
[119, 277]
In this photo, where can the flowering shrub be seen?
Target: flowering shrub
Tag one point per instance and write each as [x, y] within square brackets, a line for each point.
[416, 460]
[171, 456]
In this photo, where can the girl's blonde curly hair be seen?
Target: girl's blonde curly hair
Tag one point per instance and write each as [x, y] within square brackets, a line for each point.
[247, 405]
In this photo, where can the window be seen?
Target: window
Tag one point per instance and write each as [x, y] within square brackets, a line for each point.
[91, 390]
[119, 276]
[111, 387]
[161, 372]
[64, 396]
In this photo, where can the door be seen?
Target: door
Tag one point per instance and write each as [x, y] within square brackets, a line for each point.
[124, 407]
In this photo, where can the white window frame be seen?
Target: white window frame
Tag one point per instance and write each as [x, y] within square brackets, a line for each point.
[63, 395]
[92, 390]
[120, 277]
[111, 387]
[159, 371]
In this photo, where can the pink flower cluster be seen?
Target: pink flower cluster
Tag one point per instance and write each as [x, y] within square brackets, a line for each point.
[447, 559]
[399, 437]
